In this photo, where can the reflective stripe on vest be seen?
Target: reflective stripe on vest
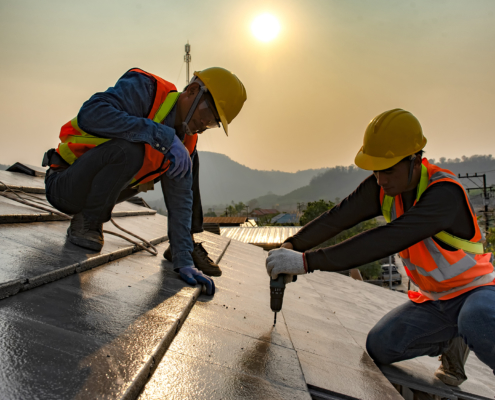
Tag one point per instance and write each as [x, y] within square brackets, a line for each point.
[389, 213]
[86, 138]
[441, 274]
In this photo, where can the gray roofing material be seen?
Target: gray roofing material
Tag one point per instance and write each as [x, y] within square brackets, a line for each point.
[85, 325]
[358, 306]
[228, 348]
[20, 181]
[96, 334]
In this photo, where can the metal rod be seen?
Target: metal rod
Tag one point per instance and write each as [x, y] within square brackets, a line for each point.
[187, 59]
[390, 272]
[275, 319]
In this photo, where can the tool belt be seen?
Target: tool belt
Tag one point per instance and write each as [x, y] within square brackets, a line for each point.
[50, 158]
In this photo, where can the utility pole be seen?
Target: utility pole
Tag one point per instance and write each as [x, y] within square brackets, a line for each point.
[486, 195]
[187, 59]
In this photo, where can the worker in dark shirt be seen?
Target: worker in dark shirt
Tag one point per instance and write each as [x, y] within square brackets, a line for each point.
[432, 224]
[137, 133]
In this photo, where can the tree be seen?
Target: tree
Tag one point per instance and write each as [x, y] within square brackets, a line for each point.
[210, 213]
[253, 204]
[314, 209]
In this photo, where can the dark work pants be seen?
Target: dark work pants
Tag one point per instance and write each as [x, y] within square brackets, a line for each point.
[197, 207]
[92, 184]
[84, 186]
[413, 330]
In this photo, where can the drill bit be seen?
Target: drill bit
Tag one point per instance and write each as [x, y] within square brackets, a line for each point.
[275, 319]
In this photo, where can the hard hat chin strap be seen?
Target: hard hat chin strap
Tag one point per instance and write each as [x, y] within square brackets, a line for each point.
[411, 168]
[202, 90]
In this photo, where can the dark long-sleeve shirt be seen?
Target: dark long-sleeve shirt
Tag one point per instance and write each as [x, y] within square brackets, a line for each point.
[442, 207]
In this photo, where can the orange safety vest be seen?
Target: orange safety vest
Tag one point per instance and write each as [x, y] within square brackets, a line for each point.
[75, 142]
[442, 274]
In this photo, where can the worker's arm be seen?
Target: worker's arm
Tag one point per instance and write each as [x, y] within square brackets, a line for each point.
[441, 207]
[122, 110]
[361, 205]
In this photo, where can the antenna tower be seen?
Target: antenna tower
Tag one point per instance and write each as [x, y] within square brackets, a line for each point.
[187, 59]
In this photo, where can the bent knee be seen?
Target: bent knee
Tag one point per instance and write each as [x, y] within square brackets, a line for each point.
[379, 350]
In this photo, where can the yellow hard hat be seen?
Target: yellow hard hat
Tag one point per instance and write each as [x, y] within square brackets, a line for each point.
[227, 91]
[389, 138]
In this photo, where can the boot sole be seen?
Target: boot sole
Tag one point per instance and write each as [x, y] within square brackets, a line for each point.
[87, 244]
[449, 380]
[211, 273]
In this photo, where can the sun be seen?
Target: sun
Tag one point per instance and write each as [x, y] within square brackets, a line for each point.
[265, 27]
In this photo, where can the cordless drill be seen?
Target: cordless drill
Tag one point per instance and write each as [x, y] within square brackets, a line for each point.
[277, 287]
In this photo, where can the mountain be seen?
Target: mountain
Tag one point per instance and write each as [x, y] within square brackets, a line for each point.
[223, 180]
[339, 182]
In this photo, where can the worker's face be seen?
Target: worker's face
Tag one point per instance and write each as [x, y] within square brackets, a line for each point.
[204, 116]
[394, 180]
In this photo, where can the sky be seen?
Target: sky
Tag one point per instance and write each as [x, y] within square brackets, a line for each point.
[334, 66]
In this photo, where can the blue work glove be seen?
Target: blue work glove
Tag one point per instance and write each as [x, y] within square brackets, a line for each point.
[192, 276]
[180, 160]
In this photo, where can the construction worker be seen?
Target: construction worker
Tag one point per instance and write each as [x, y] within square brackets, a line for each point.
[131, 136]
[432, 223]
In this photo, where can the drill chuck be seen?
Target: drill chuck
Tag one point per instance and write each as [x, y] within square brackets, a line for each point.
[277, 287]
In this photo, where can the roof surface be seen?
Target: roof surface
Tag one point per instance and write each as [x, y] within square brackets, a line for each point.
[266, 235]
[121, 324]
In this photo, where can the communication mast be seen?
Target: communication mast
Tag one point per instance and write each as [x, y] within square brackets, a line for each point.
[187, 59]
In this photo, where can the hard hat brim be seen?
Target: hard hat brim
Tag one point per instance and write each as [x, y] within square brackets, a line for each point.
[370, 163]
[225, 124]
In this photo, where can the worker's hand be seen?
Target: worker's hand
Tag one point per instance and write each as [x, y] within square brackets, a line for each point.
[193, 276]
[284, 261]
[180, 160]
[287, 245]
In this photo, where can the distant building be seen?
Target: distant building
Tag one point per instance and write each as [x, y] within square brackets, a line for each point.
[285, 218]
[263, 212]
[225, 221]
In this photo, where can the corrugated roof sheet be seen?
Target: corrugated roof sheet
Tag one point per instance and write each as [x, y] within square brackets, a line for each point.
[273, 235]
[224, 220]
[264, 211]
[285, 218]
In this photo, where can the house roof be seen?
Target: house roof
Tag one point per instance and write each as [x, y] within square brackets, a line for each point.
[121, 323]
[285, 218]
[267, 237]
[264, 211]
[225, 220]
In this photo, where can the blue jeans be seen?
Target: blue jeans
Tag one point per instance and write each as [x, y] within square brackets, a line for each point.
[412, 330]
[99, 179]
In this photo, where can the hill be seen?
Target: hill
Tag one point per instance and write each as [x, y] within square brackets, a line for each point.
[223, 180]
[339, 182]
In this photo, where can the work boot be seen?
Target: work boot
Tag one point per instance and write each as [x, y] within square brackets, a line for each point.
[168, 254]
[201, 260]
[204, 263]
[451, 371]
[85, 233]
